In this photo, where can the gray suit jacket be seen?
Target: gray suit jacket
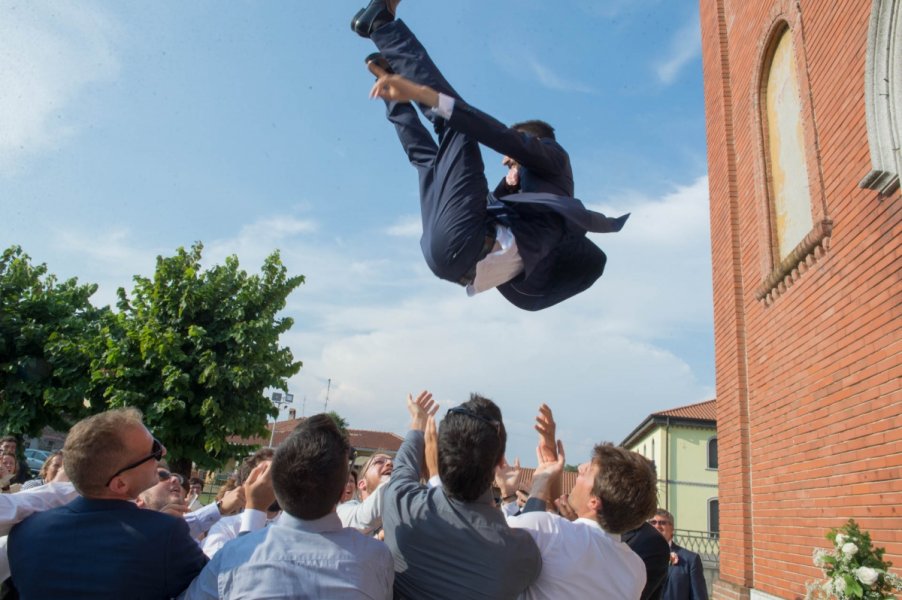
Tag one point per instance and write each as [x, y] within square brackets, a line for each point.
[445, 548]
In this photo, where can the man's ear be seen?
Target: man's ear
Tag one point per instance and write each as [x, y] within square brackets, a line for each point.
[595, 503]
[361, 484]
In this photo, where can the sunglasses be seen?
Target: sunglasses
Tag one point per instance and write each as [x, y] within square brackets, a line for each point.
[156, 453]
[458, 410]
[658, 522]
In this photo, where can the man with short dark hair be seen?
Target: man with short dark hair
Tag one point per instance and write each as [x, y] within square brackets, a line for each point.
[102, 545]
[451, 542]
[686, 576]
[528, 238]
[306, 553]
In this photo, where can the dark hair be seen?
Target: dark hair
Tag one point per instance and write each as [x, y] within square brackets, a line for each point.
[471, 441]
[535, 128]
[310, 468]
[627, 486]
[195, 481]
[248, 464]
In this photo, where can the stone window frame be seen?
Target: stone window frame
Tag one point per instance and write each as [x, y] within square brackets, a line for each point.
[779, 274]
[883, 97]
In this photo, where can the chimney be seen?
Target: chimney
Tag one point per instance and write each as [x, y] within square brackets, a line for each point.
[292, 413]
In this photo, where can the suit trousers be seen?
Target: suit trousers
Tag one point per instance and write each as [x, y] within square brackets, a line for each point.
[453, 187]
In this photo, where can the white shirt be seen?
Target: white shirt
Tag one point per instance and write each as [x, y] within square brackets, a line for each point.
[580, 560]
[504, 262]
[228, 528]
[366, 516]
[15, 508]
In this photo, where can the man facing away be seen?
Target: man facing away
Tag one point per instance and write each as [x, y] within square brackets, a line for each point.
[451, 542]
[102, 545]
[686, 576]
[528, 239]
[306, 553]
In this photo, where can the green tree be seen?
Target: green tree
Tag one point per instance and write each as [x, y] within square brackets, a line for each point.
[340, 421]
[48, 334]
[194, 349]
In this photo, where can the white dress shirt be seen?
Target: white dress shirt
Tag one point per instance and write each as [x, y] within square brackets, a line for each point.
[229, 528]
[580, 560]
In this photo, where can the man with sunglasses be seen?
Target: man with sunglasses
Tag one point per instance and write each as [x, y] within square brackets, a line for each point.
[102, 545]
[686, 576]
[450, 541]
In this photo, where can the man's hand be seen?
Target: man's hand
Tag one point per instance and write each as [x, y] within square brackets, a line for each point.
[232, 502]
[546, 473]
[258, 490]
[507, 476]
[547, 428]
[431, 447]
[420, 410]
[396, 88]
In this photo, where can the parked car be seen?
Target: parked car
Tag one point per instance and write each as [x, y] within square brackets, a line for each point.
[35, 459]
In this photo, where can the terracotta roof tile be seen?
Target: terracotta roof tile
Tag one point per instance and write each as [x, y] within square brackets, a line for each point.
[361, 439]
[703, 410]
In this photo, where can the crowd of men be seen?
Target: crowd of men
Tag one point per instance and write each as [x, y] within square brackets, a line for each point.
[302, 523]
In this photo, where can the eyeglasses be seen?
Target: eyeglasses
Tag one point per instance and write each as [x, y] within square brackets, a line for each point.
[459, 410]
[658, 522]
[156, 453]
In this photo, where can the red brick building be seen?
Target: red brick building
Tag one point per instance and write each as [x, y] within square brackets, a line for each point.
[804, 116]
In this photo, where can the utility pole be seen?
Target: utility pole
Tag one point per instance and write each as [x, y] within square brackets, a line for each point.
[328, 387]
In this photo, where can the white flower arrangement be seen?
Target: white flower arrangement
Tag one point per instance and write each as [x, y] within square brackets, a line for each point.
[854, 569]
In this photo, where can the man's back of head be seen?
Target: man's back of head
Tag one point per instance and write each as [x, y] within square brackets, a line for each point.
[310, 468]
[471, 443]
[627, 486]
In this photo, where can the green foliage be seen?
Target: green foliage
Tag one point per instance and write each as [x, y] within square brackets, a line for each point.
[340, 421]
[48, 334]
[194, 349]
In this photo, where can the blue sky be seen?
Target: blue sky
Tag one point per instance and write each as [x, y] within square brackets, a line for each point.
[128, 129]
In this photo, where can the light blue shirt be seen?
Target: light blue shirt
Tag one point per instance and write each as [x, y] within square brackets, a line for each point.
[294, 558]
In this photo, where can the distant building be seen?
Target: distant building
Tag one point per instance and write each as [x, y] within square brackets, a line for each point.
[682, 442]
[803, 103]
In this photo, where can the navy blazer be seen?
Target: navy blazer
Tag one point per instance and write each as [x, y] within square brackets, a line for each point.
[548, 222]
[654, 551]
[93, 548]
[686, 579]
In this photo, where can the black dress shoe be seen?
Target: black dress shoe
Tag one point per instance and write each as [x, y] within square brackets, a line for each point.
[377, 59]
[369, 19]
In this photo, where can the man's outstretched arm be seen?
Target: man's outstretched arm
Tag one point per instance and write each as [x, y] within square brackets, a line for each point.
[541, 156]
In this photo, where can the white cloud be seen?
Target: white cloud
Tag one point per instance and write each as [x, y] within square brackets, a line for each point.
[685, 46]
[49, 53]
[379, 325]
[550, 79]
[407, 226]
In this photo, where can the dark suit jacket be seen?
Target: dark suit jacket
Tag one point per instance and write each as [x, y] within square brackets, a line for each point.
[102, 549]
[653, 549]
[549, 224]
[686, 579]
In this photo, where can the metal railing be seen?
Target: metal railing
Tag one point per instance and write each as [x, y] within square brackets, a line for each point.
[704, 543]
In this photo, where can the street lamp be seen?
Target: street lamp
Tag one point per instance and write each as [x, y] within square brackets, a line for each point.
[278, 402]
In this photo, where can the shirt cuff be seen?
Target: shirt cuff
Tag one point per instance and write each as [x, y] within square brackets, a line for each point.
[252, 520]
[445, 106]
[435, 481]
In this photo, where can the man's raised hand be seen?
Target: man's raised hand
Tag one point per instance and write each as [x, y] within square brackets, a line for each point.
[396, 88]
[547, 428]
[421, 409]
[507, 477]
[258, 488]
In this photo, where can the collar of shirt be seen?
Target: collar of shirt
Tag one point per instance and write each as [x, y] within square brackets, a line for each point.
[594, 523]
[325, 524]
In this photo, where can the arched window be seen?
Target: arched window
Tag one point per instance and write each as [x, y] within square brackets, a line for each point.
[883, 96]
[788, 166]
[714, 517]
[796, 213]
[652, 450]
[712, 453]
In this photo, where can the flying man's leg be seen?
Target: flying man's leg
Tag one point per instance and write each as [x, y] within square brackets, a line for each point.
[453, 197]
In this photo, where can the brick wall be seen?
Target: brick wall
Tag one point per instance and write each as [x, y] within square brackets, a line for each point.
[808, 386]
